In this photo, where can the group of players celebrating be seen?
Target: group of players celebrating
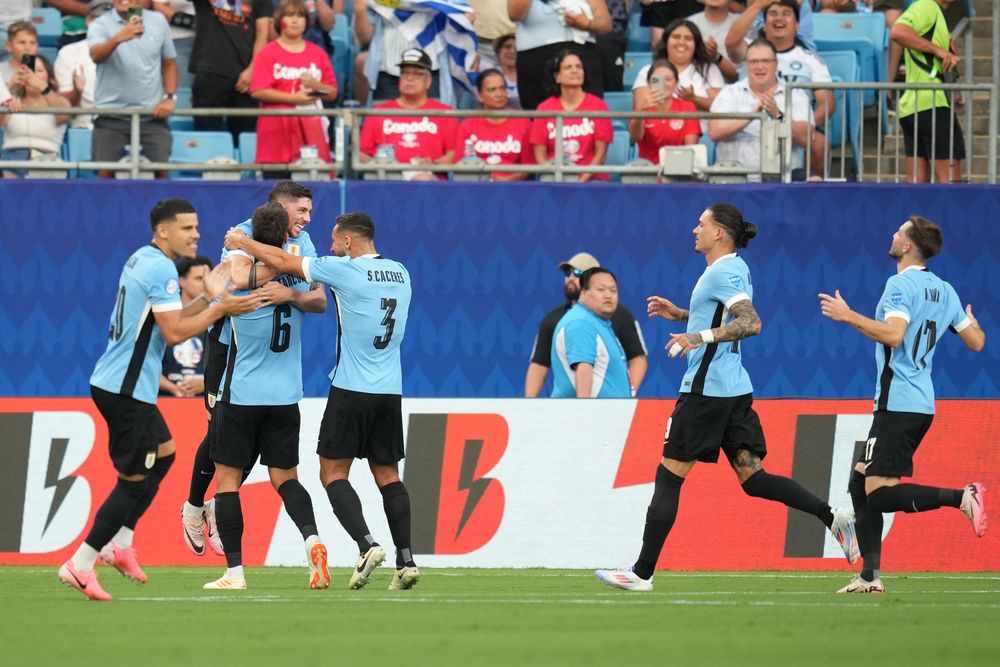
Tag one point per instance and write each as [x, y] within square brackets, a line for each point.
[270, 276]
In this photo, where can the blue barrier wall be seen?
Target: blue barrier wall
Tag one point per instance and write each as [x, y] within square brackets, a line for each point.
[483, 260]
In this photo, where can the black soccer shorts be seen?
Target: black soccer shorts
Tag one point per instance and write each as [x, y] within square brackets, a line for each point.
[238, 433]
[702, 425]
[362, 426]
[892, 442]
[135, 430]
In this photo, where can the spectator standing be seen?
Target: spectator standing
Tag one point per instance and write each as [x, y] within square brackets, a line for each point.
[228, 36]
[932, 136]
[546, 29]
[30, 135]
[183, 373]
[624, 324]
[612, 45]
[76, 71]
[505, 49]
[492, 23]
[136, 67]
[292, 73]
[585, 140]
[699, 79]
[12, 11]
[418, 141]
[652, 133]
[180, 16]
[714, 23]
[496, 140]
[658, 14]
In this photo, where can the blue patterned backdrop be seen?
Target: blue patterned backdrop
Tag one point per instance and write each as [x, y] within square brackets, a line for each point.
[483, 260]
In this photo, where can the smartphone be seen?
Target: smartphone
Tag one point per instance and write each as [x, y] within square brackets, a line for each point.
[658, 84]
[316, 93]
[28, 60]
[134, 12]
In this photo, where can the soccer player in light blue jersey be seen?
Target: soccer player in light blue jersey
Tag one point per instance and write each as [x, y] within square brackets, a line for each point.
[588, 360]
[913, 314]
[715, 408]
[257, 414]
[197, 515]
[363, 417]
[146, 317]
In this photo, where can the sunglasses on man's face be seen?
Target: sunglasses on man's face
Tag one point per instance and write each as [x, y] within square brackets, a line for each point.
[576, 273]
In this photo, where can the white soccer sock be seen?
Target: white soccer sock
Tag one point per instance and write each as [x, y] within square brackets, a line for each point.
[312, 541]
[235, 573]
[85, 557]
[193, 509]
[123, 538]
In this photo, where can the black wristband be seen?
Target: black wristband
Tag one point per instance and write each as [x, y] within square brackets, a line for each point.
[46, 90]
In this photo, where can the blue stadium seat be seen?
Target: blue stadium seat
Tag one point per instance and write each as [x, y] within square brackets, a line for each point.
[48, 23]
[619, 101]
[247, 151]
[635, 61]
[78, 141]
[619, 152]
[707, 142]
[638, 36]
[865, 34]
[182, 123]
[192, 146]
[49, 52]
[844, 67]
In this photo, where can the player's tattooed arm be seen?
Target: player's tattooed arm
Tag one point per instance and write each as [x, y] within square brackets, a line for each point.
[746, 323]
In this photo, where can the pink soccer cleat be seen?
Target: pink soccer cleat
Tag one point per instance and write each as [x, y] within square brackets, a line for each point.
[85, 582]
[974, 507]
[123, 560]
[214, 541]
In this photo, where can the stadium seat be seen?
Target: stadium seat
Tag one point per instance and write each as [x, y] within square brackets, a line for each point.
[247, 151]
[619, 152]
[78, 144]
[865, 34]
[182, 123]
[635, 61]
[844, 67]
[49, 53]
[619, 101]
[199, 147]
[638, 36]
[48, 23]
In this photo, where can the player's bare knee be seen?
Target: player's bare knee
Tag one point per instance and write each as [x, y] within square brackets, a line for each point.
[279, 476]
[131, 478]
[330, 470]
[166, 449]
[384, 473]
[745, 464]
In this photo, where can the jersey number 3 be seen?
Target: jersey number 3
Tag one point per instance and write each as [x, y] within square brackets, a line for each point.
[389, 306]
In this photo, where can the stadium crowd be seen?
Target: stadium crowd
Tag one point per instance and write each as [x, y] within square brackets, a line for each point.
[550, 55]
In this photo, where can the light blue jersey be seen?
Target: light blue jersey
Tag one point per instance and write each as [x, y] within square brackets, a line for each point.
[372, 294]
[717, 369]
[930, 306]
[132, 362]
[264, 367]
[582, 336]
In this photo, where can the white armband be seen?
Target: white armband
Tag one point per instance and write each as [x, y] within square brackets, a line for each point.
[707, 336]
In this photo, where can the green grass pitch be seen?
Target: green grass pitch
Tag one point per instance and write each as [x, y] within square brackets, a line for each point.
[500, 617]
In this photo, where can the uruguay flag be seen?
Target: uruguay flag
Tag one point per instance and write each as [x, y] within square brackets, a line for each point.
[436, 26]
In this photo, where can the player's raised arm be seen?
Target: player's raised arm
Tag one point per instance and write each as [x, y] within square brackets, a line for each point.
[276, 258]
[177, 326]
[890, 332]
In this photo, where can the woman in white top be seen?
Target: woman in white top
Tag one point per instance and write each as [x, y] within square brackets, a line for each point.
[28, 135]
[699, 80]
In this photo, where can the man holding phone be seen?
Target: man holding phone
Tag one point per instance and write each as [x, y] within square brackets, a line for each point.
[136, 67]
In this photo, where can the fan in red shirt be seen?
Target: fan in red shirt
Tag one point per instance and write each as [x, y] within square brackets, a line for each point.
[496, 140]
[288, 73]
[585, 140]
[658, 96]
[416, 140]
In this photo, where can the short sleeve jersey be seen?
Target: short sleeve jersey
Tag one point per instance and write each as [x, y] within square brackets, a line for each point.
[580, 135]
[717, 369]
[410, 136]
[928, 21]
[132, 362]
[623, 323]
[496, 143]
[584, 337]
[658, 132]
[372, 296]
[930, 307]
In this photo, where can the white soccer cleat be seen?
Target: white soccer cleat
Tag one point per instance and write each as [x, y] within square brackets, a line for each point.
[843, 531]
[973, 506]
[404, 579]
[193, 522]
[225, 583]
[367, 562]
[859, 585]
[214, 541]
[625, 579]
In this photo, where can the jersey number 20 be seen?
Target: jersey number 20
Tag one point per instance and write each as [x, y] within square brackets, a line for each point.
[389, 306]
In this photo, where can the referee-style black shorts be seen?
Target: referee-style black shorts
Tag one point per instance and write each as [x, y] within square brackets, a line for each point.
[701, 425]
[892, 442]
[357, 425]
[237, 434]
[926, 135]
[135, 430]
